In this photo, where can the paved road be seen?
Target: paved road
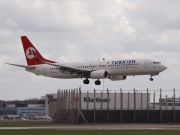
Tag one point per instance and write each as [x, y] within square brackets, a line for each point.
[106, 127]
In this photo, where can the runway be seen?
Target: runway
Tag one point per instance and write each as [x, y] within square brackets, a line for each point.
[105, 127]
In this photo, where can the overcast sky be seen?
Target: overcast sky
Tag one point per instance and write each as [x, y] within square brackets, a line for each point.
[80, 30]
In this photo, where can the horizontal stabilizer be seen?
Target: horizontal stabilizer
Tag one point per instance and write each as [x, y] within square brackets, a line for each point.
[20, 65]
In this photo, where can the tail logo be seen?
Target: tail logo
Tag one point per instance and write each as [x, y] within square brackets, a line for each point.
[30, 52]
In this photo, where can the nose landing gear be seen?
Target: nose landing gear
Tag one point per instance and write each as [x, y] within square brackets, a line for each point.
[151, 79]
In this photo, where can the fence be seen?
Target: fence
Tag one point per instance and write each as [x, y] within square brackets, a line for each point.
[122, 106]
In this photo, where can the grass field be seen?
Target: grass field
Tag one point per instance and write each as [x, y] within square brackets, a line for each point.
[89, 132]
[25, 123]
[72, 132]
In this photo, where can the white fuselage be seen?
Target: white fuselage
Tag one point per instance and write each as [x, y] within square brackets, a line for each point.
[114, 68]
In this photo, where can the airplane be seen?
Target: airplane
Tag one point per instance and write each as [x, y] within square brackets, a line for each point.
[112, 69]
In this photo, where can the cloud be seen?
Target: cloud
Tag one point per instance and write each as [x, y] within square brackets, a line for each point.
[38, 15]
[81, 30]
[160, 15]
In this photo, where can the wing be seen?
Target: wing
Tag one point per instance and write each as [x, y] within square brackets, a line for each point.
[72, 70]
[67, 69]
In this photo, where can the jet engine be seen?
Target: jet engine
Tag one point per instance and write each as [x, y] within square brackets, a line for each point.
[117, 78]
[99, 74]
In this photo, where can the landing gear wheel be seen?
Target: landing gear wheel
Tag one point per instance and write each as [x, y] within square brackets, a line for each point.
[97, 82]
[151, 79]
[86, 81]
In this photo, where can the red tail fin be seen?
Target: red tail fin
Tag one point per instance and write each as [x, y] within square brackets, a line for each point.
[30, 51]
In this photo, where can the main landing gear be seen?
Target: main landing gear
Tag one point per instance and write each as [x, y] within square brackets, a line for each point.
[97, 82]
[86, 81]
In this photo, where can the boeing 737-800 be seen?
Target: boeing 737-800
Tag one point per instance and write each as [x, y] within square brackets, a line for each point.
[112, 69]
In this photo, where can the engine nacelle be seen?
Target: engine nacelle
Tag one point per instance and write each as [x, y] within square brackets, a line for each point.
[117, 78]
[99, 74]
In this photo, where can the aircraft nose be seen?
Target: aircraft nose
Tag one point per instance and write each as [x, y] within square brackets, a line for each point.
[164, 67]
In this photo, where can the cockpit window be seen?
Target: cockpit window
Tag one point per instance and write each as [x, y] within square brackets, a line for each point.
[156, 62]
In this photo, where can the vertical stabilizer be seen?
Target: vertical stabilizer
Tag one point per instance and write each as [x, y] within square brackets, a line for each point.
[30, 51]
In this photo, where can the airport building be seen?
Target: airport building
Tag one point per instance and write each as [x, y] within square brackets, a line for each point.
[48, 104]
[170, 101]
[74, 105]
[102, 101]
[112, 106]
[26, 107]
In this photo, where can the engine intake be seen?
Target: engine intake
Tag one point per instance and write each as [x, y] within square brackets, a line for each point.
[99, 74]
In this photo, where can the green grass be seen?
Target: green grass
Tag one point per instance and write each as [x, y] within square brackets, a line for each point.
[25, 123]
[72, 132]
[89, 132]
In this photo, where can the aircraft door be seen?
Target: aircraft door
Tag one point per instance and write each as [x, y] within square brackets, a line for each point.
[146, 64]
[44, 70]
